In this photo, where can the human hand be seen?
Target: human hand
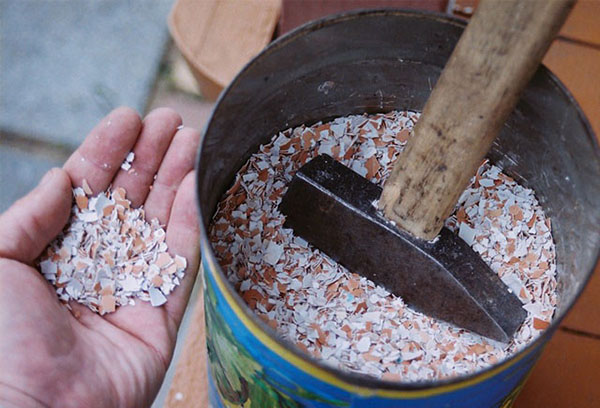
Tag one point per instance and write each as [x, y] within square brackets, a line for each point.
[53, 356]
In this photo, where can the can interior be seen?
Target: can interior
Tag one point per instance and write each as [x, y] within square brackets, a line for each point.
[378, 61]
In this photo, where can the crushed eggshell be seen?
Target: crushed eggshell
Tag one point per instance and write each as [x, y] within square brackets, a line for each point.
[126, 165]
[108, 255]
[345, 319]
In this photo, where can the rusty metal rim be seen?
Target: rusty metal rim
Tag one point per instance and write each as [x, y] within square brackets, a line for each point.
[358, 379]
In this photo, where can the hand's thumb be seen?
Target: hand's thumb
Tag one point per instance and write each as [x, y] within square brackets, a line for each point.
[32, 222]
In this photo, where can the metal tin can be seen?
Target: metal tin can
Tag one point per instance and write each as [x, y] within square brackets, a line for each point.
[378, 61]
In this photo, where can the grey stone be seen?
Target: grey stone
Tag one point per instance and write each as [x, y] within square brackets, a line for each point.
[66, 63]
[20, 172]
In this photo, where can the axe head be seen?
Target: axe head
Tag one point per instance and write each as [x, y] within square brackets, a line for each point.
[334, 208]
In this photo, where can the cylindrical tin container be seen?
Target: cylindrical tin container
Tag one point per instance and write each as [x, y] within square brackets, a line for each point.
[377, 61]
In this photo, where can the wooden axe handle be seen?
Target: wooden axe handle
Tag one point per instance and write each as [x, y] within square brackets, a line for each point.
[493, 61]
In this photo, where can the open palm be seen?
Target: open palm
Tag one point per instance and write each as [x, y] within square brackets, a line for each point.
[53, 356]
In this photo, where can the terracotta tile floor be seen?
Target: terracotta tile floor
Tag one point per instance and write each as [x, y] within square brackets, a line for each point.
[568, 373]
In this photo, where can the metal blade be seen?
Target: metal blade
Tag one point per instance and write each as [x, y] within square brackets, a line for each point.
[333, 208]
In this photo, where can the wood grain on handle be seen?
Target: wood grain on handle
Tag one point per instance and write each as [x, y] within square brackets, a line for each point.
[493, 61]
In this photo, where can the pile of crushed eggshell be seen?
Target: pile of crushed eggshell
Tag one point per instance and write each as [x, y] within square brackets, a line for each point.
[108, 255]
[346, 320]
